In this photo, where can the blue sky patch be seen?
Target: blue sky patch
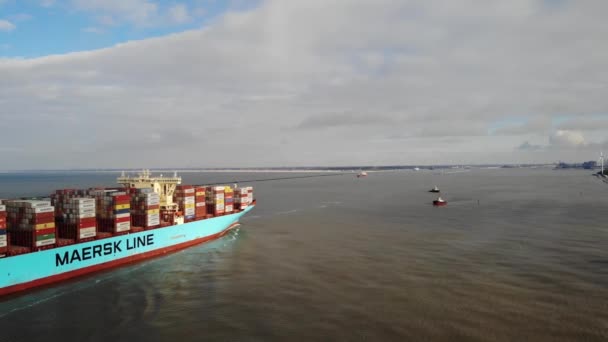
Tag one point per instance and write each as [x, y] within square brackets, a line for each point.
[35, 28]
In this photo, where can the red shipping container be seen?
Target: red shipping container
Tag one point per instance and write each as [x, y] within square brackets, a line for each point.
[43, 215]
[88, 220]
[123, 219]
[87, 225]
[45, 231]
[2, 220]
[42, 220]
[121, 198]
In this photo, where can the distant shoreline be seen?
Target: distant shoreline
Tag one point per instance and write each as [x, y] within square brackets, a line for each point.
[344, 169]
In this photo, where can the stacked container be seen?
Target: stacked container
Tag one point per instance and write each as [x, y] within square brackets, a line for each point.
[145, 208]
[185, 199]
[228, 200]
[241, 199]
[215, 200]
[31, 223]
[80, 221]
[3, 236]
[200, 202]
[75, 215]
[113, 211]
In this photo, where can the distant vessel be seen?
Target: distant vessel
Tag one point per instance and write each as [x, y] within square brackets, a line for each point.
[435, 189]
[362, 174]
[439, 202]
[416, 169]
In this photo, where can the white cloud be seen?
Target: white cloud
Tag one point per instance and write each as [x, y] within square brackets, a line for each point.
[563, 138]
[47, 3]
[138, 12]
[179, 14]
[21, 17]
[96, 30]
[6, 25]
[317, 82]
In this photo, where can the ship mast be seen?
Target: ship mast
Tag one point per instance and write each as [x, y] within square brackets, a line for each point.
[164, 186]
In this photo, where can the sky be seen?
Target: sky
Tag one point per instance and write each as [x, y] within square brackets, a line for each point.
[209, 83]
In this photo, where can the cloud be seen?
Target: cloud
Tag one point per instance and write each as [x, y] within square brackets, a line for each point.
[563, 138]
[21, 17]
[329, 120]
[382, 82]
[178, 14]
[6, 25]
[526, 146]
[539, 124]
[137, 12]
[47, 3]
[91, 29]
[587, 124]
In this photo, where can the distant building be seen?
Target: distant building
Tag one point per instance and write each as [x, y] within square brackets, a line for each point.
[588, 165]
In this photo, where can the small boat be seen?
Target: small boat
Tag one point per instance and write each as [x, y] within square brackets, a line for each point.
[362, 174]
[435, 189]
[439, 202]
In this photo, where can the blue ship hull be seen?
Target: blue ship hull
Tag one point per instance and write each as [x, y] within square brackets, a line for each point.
[30, 270]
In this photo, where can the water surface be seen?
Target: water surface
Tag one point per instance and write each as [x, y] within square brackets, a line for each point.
[518, 254]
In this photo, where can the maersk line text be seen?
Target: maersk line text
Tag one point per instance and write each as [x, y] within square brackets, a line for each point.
[107, 248]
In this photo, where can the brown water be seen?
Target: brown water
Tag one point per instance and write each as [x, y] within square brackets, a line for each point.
[516, 255]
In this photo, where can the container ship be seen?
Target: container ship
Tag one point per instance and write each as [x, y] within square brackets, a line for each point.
[74, 232]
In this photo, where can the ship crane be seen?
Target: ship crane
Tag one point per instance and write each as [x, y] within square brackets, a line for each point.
[164, 186]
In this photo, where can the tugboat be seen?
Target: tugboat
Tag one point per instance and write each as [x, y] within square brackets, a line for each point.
[435, 189]
[440, 202]
[362, 174]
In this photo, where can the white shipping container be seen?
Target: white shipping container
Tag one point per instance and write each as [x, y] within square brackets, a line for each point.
[2, 207]
[219, 206]
[201, 204]
[3, 237]
[87, 232]
[189, 200]
[188, 191]
[45, 242]
[84, 211]
[36, 203]
[153, 216]
[80, 207]
[84, 215]
[153, 202]
[123, 226]
[189, 211]
[82, 200]
[123, 215]
[40, 210]
[3, 244]
[229, 207]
